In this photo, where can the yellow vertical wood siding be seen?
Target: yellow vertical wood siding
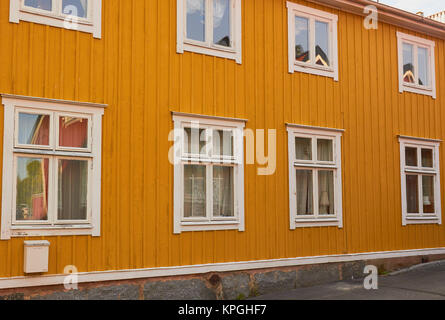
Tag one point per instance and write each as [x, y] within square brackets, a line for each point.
[135, 69]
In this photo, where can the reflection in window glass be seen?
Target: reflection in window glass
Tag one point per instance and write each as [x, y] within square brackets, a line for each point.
[412, 195]
[325, 150]
[32, 189]
[326, 192]
[72, 189]
[33, 129]
[39, 4]
[427, 158]
[221, 22]
[73, 132]
[322, 43]
[77, 8]
[428, 194]
[195, 141]
[408, 63]
[423, 66]
[302, 39]
[303, 148]
[196, 20]
[411, 156]
[223, 192]
[304, 192]
[194, 191]
[222, 143]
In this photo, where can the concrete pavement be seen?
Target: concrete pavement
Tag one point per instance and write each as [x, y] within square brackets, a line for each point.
[422, 282]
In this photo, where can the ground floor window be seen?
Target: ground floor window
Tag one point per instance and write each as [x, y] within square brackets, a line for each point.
[315, 188]
[420, 180]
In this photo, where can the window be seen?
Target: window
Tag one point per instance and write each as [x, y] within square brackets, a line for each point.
[312, 41]
[51, 167]
[416, 65]
[82, 15]
[420, 177]
[208, 173]
[211, 27]
[315, 188]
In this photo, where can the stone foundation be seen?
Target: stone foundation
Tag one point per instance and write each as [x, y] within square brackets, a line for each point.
[217, 286]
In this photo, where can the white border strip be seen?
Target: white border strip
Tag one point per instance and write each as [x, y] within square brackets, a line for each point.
[100, 276]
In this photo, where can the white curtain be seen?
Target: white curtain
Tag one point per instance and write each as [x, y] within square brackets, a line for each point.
[84, 4]
[325, 179]
[223, 191]
[219, 9]
[304, 192]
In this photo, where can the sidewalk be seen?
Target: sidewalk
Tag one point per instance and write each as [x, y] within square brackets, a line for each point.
[421, 282]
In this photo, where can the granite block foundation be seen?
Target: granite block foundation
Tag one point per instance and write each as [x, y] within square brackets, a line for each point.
[217, 286]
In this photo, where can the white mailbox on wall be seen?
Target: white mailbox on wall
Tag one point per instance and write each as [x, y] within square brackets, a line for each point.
[36, 256]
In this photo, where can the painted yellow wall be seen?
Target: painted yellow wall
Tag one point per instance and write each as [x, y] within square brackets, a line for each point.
[135, 69]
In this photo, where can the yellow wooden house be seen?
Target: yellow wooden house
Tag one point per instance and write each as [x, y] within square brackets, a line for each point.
[147, 141]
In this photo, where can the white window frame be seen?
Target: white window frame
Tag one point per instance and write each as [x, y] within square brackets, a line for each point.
[11, 149]
[182, 224]
[311, 14]
[315, 133]
[417, 42]
[56, 18]
[208, 48]
[419, 144]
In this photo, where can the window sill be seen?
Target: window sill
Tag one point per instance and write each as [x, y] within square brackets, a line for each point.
[308, 223]
[319, 71]
[53, 16]
[210, 226]
[38, 231]
[230, 54]
[422, 220]
[92, 26]
[418, 90]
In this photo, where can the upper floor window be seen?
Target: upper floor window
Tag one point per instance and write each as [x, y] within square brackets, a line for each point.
[211, 27]
[312, 41]
[416, 65]
[208, 173]
[82, 15]
[420, 177]
[51, 168]
[315, 188]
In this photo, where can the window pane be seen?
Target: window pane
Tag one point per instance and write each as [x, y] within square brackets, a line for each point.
[428, 194]
[303, 148]
[223, 204]
[73, 132]
[72, 189]
[412, 194]
[427, 158]
[304, 192]
[222, 143]
[325, 150]
[39, 4]
[194, 191]
[322, 43]
[196, 20]
[195, 141]
[34, 129]
[302, 39]
[32, 189]
[77, 8]
[326, 200]
[411, 156]
[423, 66]
[221, 22]
[408, 63]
